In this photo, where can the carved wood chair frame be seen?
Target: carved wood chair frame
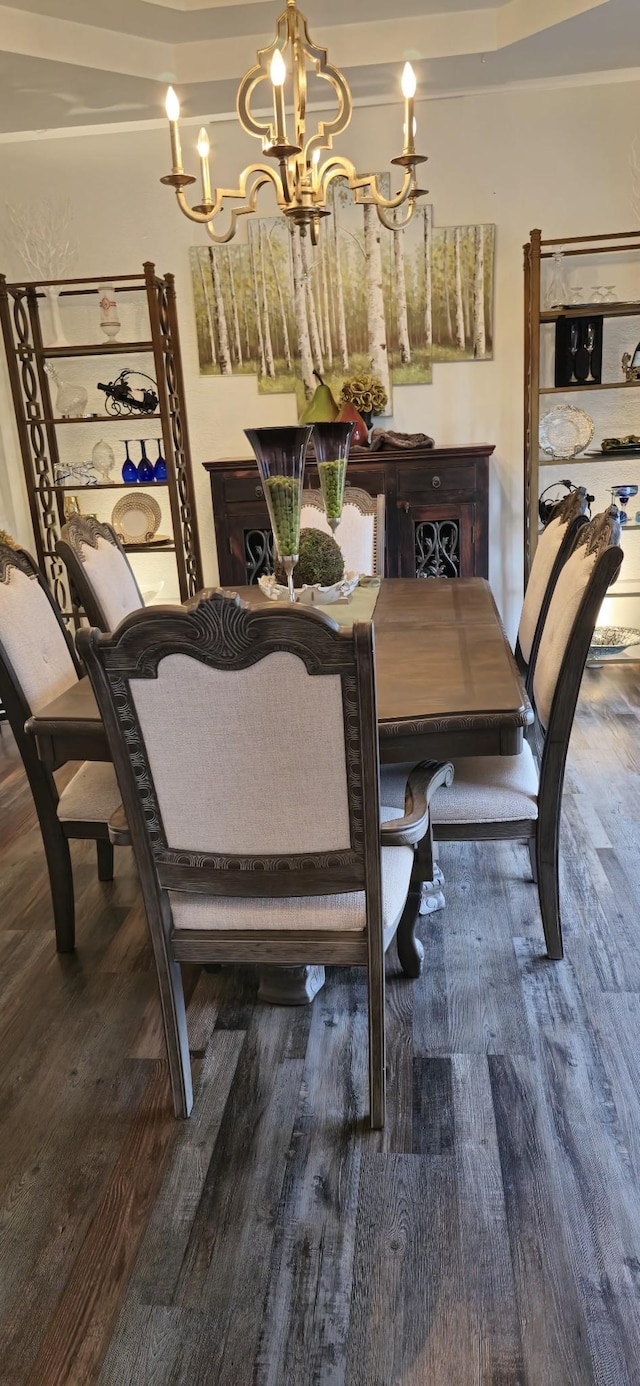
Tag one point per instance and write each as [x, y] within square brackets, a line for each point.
[601, 537]
[367, 505]
[79, 532]
[55, 834]
[572, 510]
[222, 632]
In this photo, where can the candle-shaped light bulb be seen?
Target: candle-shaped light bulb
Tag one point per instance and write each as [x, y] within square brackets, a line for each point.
[408, 91]
[278, 69]
[203, 147]
[172, 107]
[278, 74]
[409, 82]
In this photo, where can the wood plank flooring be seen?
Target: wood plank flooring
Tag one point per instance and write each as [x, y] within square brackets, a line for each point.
[490, 1234]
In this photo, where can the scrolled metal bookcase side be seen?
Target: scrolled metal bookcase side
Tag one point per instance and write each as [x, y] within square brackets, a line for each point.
[38, 443]
[161, 297]
[37, 429]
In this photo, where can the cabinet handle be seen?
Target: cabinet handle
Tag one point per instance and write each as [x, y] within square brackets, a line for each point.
[436, 482]
[259, 491]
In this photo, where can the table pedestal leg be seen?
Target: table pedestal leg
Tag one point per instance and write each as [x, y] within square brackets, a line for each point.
[289, 986]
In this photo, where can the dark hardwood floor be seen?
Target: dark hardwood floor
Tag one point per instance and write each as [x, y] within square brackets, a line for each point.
[490, 1234]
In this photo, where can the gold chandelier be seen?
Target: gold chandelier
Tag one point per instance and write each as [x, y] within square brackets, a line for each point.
[300, 180]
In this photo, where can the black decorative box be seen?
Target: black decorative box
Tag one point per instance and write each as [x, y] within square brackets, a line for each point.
[578, 351]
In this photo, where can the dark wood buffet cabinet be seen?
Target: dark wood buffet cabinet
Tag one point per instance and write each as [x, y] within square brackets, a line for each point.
[437, 511]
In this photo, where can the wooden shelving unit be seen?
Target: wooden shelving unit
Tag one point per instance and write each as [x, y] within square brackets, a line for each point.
[536, 251]
[38, 427]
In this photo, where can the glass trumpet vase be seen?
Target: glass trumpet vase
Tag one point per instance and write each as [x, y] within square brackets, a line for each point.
[331, 442]
[280, 454]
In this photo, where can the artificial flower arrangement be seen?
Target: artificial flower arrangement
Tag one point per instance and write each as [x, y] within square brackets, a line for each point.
[365, 392]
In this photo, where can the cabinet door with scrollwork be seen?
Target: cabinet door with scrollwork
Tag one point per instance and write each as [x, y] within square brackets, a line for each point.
[437, 540]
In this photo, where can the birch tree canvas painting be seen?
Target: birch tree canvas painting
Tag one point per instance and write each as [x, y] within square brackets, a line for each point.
[364, 300]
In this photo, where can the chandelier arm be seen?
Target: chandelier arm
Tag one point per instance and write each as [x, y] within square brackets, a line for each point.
[264, 175]
[392, 225]
[370, 180]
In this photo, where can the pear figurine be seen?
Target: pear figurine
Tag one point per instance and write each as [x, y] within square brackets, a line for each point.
[322, 407]
[349, 414]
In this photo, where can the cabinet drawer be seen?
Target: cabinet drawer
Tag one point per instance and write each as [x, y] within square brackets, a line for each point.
[434, 480]
[241, 489]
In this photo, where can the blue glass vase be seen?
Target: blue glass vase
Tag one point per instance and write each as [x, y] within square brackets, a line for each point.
[145, 467]
[160, 468]
[129, 469]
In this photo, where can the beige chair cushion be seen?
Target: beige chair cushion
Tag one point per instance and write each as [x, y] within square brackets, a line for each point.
[545, 556]
[33, 640]
[489, 789]
[248, 761]
[92, 796]
[345, 913]
[565, 603]
[355, 535]
[112, 581]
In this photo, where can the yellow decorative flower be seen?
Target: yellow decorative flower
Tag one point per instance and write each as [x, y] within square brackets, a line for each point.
[365, 392]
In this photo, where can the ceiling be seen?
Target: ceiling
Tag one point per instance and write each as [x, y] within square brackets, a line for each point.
[67, 64]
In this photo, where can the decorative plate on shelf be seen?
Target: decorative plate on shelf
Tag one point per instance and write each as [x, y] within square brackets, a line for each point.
[308, 596]
[565, 431]
[135, 519]
[611, 640]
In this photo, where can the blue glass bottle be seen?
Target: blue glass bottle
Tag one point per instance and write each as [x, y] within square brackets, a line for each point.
[145, 467]
[129, 469]
[160, 468]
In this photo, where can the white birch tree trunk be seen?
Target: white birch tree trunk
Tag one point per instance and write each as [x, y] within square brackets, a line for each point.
[328, 343]
[376, 326]
[343, 346]
[256, 298]
[428, 285]
[283, 312]
[266, 325]
[316, 347]
[207, 308]
[224, 357]
[234, 308]
[447, 301]
[479, 333]
[466, 292]
[302, 326]
[460, 337]
[401, 297]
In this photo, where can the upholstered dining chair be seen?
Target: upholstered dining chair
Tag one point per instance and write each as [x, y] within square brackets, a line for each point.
[100, 573]
[37, 663]
[554, 546]
[361, 532]
[202, 702]
[520, 797]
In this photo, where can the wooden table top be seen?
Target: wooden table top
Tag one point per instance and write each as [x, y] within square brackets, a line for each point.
[445, 674]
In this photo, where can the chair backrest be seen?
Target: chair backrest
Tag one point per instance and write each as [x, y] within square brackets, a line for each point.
[99, 570]
[552, 551]
[570, 623]
[37, 660]
[361, 532]
[205, 703]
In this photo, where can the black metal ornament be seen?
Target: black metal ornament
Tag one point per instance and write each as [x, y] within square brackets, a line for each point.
[547, 507]
[121, 398]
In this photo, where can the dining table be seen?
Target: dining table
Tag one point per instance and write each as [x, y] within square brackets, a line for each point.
[447, 686]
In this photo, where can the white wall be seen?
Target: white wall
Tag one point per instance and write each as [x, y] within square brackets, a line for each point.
[555, 158]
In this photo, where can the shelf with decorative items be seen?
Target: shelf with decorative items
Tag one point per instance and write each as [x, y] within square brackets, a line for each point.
[577, 340]
[143, 308]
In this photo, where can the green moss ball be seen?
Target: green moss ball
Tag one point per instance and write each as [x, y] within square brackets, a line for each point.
[320, 561]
